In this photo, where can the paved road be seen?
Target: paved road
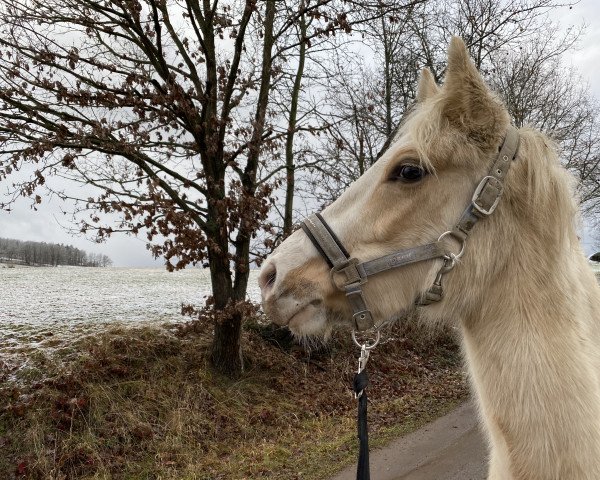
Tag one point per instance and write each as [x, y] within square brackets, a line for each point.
[451, 448]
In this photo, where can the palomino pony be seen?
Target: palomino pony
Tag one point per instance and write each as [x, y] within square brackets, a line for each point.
[522, 294]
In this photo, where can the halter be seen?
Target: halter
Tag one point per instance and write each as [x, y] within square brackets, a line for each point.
[348, 274]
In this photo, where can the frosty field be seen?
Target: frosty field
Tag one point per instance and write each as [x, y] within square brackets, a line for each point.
[38, 303]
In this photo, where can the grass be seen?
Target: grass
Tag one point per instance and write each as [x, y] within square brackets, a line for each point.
[143, 403]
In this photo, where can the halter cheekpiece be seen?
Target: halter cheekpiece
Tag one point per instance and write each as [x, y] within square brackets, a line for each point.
[349, 274]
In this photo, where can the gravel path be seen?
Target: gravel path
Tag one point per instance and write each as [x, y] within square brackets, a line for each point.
[451, 448]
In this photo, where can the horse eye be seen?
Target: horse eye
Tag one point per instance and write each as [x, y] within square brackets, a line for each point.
[407, 173]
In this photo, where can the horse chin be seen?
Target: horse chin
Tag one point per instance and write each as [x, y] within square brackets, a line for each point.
[311, 321]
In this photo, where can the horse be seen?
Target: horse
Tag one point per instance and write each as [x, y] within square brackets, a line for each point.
[518, 287]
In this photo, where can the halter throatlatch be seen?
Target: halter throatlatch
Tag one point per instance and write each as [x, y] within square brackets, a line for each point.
[349, 274]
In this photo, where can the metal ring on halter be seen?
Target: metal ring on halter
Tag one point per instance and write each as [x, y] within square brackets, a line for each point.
[449, 262]
[462, 245]
[366, 346]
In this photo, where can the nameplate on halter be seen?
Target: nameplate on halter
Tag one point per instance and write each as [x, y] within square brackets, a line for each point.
[399, 258]
[403, 257]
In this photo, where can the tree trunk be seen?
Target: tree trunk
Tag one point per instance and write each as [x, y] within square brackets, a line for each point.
[387, 73]
[227, 346]
[227, 350]
[288, 219]
[249, 178]
[361, 153]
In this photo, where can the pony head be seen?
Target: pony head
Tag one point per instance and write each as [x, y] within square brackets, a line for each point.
[416, 191]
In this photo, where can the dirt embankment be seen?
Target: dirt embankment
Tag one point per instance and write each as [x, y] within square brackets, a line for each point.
[143, 403]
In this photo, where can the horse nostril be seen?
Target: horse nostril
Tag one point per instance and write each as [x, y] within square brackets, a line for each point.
[267, 277]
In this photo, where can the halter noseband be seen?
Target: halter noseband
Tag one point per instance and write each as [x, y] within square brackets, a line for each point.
[349, 275]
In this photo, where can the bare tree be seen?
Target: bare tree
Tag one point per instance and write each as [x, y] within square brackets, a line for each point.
[301, 97]
[163, 110]
[383, 90]
[292, 120]
[152, 104]
[539, 90]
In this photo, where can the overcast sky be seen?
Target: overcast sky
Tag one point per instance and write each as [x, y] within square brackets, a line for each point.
[587, 58]
[46, 224]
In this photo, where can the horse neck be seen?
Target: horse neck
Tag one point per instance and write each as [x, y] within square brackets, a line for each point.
[530, 280]
[532, 348]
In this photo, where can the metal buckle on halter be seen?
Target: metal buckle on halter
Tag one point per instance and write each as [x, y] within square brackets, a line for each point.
[363, 319]
[477, 195]
[351, 271]
[362, 316]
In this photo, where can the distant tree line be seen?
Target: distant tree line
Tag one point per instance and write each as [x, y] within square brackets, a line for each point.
[42, 253]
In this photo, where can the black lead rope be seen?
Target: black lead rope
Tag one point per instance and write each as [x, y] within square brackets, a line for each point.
[361, 380]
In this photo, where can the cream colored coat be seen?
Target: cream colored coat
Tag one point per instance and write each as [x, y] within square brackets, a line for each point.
[523, 295]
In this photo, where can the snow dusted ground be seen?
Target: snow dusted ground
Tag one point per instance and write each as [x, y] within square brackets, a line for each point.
[43, 306]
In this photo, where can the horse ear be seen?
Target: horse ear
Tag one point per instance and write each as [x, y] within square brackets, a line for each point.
[427, 86]
[469, 104]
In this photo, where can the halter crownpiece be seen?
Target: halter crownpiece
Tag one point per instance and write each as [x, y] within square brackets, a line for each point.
[349, 274]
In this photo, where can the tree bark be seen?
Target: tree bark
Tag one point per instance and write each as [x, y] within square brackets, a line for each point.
[288, 218]
[226, 351]
[387, 72]
[227, 346]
